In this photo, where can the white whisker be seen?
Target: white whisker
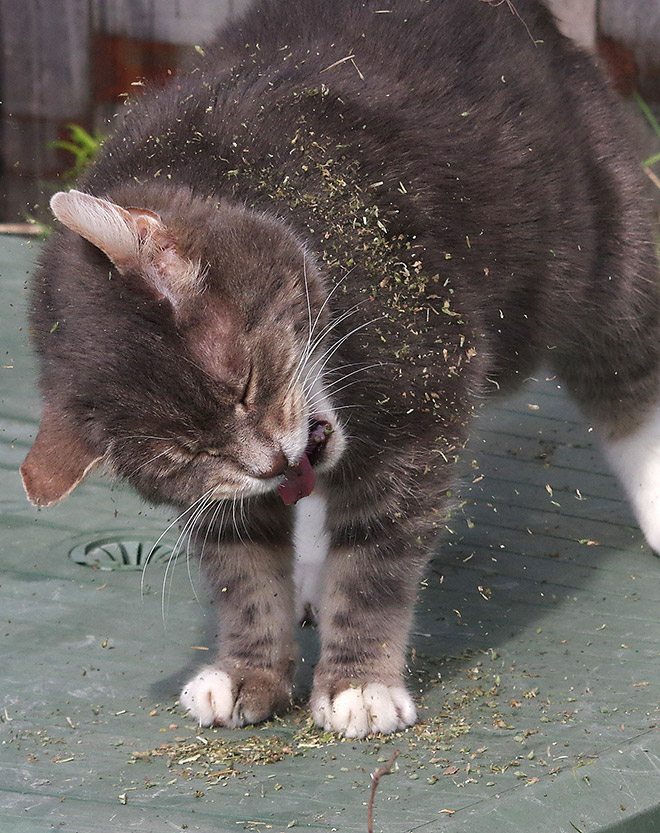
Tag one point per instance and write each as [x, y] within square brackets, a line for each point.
[331, 325]
[150, 460]
[202, 506]
[330, 352]
[233, 518]
[330, 390]
[310, 345]
[145, 437]
[330, 294]
[344, 407]
[330, 387]
[165, 531]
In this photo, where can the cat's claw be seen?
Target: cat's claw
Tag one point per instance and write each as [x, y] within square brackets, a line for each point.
[213, 698]
[370, 708]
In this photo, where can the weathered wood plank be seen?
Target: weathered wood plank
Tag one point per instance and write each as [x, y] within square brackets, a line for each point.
[169, 21]
[49, 68]
[44, 83]
[45, 57]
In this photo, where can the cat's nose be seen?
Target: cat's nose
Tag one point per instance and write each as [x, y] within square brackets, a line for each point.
[278, 464]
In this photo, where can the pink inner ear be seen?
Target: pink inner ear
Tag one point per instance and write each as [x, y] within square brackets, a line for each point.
[148, 225]
[135, 240]
[56, 463]
[175, 278]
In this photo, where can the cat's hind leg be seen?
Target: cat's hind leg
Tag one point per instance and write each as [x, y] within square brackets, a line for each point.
[609, 358]
[634, 456]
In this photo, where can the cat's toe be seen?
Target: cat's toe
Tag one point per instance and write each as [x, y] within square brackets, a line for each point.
[234, 699]
[358, 711]
[209, 697]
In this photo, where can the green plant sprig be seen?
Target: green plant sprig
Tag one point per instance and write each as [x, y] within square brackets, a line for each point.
[650, 117]
[83, 145]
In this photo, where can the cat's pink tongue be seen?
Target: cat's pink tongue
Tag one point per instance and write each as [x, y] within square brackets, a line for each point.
[298, 482]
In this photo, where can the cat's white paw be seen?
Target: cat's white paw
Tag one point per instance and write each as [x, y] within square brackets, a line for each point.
[236, 697]
[371, 708]
[209, 698]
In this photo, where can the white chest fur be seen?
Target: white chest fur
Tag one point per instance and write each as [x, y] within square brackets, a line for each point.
[311, 544]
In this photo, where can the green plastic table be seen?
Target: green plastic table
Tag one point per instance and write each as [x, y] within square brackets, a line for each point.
[535, 661]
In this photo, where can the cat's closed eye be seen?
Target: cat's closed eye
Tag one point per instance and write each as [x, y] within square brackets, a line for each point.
[247, 396]
[208, 452]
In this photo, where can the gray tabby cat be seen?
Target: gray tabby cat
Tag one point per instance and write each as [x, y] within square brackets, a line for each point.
[289, 279]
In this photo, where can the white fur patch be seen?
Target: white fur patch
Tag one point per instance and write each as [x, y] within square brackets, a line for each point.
[372, 708]
[311, 544]
[636, 461]
[209, 698]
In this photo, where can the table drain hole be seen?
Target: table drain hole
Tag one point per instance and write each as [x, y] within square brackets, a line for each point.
[115, 554]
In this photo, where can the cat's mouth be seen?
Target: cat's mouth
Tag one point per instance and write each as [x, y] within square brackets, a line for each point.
[299, 479]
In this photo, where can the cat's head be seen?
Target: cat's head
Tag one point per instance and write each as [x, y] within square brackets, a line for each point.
[182, 346]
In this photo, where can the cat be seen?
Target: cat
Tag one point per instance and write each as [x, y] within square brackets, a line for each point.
[289, 280]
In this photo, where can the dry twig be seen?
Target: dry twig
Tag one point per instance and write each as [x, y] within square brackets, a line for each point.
[514, 11]
[336, 63]
[375, 778]
[652, 176]
[350, 58]
[20, 228]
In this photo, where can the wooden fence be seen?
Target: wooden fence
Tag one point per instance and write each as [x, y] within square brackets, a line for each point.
[68, 61]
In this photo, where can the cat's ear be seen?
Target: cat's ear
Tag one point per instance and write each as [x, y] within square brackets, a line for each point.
[57, 461]
[134, 239]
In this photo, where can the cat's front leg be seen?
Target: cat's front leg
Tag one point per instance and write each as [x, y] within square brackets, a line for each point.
[365, 617]
[251, 678]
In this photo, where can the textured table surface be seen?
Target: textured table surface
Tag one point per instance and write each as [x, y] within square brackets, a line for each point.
[536, 655]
